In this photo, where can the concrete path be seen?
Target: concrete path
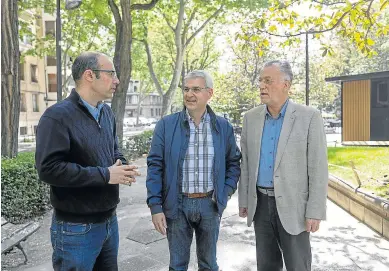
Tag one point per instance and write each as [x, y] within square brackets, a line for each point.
[343, 243]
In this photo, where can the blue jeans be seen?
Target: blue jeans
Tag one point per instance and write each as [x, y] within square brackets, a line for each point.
[80, 247]
[194, 215]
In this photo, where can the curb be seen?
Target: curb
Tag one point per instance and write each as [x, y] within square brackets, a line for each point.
[367, 208]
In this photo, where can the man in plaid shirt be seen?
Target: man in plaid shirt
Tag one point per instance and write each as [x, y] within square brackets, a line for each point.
[193, 169]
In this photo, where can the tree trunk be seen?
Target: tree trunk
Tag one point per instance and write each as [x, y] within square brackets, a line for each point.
[122, 62]
[169, 95]
[10, 83]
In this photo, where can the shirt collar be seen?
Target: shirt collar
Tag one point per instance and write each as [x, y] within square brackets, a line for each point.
[282, 112]
[91, 107]
[204, 117]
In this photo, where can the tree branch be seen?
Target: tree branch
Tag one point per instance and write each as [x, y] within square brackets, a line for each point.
[192, 15]
[168, 23]
[214, 15]
[309, 31]
[115, 12]
[151, 68]
[144, 6]
[326, 3]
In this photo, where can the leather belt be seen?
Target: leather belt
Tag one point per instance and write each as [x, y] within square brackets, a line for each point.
[266, 191]
[198, 195]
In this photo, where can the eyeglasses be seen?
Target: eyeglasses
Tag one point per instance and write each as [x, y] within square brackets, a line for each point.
[194, 89]
[112, 73]
[267, 81]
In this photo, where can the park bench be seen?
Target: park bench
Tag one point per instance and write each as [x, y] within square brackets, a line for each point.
[12, 235]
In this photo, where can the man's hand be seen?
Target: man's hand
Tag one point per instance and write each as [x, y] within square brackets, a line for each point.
[122, 174]
[243, 212]
[159, 222]
[312, 225]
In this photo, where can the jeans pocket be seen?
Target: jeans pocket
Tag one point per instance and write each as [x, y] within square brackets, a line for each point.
[76, 228]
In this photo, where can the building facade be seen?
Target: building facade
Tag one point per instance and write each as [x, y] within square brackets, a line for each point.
[148, 105]
[38, 76]
[32, 77]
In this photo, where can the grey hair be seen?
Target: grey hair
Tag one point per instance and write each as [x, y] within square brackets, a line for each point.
[85, 61]
[284, 67]
[202, 74]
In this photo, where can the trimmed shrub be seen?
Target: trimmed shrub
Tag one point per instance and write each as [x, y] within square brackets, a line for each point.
[23, 195]
[136, 146]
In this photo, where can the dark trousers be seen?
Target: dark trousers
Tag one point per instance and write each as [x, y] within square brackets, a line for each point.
[273, 243]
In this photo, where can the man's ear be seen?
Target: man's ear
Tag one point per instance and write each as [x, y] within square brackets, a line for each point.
[287, 85]
[88, 75]
[210, 92]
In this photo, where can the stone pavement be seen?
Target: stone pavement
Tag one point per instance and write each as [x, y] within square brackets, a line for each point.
[342, 243]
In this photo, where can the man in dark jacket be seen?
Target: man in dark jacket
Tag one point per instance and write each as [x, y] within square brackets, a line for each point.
[193, 168]
[77, 155]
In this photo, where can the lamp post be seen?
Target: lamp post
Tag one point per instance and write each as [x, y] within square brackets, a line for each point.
[69, 4]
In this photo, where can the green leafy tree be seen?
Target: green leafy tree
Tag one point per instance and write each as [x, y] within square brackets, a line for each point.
[185, 20]
[357, 21]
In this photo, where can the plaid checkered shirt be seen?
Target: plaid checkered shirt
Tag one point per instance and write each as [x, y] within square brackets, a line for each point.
[198, 161]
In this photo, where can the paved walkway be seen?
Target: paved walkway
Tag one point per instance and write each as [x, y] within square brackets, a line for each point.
[342, 243]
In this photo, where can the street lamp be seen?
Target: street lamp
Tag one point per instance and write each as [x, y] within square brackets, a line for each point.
[69, 4]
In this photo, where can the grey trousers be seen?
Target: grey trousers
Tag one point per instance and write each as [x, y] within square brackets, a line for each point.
[273, 243]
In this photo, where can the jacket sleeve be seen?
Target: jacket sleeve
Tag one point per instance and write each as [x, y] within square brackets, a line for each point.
[244, 178]
[317, 169]
[52, 149]
[155, 161]
[232, 163]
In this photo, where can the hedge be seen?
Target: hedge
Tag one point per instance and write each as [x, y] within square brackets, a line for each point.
[136, 146]
[24, 196]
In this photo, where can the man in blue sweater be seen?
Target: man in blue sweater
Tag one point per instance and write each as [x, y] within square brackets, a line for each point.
[77, 155]
[193, 168]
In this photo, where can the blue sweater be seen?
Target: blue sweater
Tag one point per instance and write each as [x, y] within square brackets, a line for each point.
[73, 153]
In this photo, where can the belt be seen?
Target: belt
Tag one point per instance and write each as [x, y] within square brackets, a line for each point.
[198, 195]
[266, 191]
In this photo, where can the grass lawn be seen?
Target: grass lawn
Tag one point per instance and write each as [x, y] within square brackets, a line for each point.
[371, 162]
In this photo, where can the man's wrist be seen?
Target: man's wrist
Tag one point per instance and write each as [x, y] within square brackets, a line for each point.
[156, 209]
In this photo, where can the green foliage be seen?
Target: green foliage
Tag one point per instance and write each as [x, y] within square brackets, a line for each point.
[371, 162]
[358, 22]
[23, 195]
[134, 147]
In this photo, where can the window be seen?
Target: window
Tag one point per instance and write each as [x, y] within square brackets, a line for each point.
[21, 71]
[35, 107]
[23, 130]
[34, 73]
[51, 61]
[23, 107]
[52, 80]
[35, 128]
[135, 88]
[152, 112]
[383, 93]
[50, 28]
[134, 99]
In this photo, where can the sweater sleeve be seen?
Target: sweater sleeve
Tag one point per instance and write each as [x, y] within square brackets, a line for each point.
[117, 152]
[52, 148]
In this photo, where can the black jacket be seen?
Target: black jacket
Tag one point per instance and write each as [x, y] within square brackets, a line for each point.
[73, 153]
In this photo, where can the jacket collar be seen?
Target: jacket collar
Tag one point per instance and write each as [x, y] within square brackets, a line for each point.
[212, 115]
